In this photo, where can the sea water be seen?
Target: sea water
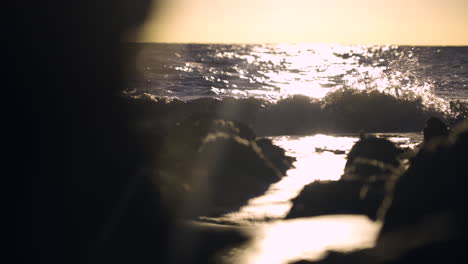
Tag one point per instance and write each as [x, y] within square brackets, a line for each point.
[271, 73]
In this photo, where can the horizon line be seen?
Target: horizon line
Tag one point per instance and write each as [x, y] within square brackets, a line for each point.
[293, 43]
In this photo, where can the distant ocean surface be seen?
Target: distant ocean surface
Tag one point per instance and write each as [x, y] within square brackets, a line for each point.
[274, 72]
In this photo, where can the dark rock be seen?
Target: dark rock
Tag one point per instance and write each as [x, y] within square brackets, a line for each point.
[434, 182]
[361, 189]
[338, 197]
[275, 154]
[425, 218]
[434, 128]
[236, 168]
[185, 138]
[439, 252]
[217, 165]
[372, 157]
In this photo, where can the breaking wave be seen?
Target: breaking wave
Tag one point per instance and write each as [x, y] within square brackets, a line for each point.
[344, 110]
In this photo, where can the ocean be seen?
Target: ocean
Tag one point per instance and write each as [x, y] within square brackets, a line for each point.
[307, 98]
[305, 89]
[274, 72]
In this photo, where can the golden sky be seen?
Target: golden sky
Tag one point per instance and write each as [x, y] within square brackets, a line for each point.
[411, 22]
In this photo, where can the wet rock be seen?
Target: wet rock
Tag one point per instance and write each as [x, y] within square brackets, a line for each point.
[275, 154]
[425, 211]
[211, 166]
[372, 157]
[434, 182]
[440, 252]
[236, 168]
[434, 128]
[362, 187]
[184, 139]
[338, 197]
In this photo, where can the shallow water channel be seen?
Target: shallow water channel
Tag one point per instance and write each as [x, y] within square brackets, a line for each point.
[319, 157]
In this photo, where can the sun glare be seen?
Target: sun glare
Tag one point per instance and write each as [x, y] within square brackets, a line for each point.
[308, 238]
[305, 69]
[319, 157]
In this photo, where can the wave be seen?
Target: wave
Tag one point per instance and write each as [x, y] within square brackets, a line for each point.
[344, 110]
[272, 72]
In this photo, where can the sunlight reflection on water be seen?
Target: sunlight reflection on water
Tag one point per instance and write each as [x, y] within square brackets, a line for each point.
[277, 71]
[310, 166]
[306, 238]
[319, 157]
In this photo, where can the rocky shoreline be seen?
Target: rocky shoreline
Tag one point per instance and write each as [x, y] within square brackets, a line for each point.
[424, 218]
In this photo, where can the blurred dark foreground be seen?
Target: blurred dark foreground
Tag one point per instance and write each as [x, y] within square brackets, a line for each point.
[81, 188]
[75, 153]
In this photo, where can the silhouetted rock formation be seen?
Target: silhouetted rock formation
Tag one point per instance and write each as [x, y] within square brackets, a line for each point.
[434, 128]
[425, 212]
[360, 190]
[275, 154]
[371, 157]
[338, 197]
[216, 166]
[435, 181]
